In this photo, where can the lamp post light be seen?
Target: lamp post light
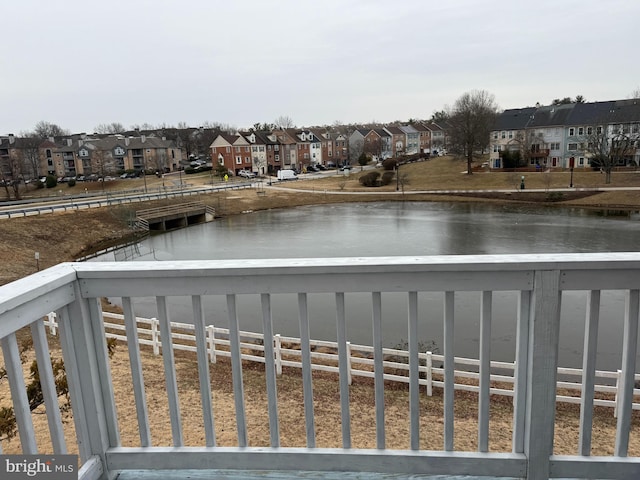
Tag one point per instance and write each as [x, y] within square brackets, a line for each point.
[144, 177]
[571, 165]
[397, 175]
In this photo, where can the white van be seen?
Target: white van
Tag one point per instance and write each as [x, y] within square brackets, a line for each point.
[287, 175]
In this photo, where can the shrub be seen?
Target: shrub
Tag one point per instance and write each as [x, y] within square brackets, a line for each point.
[189, 170]
[387, 178]
[51, 181]
[72, 182]
[389, 164]
[369, 179]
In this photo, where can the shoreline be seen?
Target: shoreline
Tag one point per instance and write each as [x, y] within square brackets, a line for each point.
[57, 238]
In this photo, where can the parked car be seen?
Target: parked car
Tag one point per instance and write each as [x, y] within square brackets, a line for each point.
[312, 168]
[247, 174]
[321, 167]
[345, 167]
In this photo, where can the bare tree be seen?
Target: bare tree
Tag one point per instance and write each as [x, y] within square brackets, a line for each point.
[29, 146]
[610, 146]
[45, 130]
[635, 93]
[284, 121]
[11, 170]
[440, 116]
[222, 127]
[105, 128]
[471, 120]
[102, 163]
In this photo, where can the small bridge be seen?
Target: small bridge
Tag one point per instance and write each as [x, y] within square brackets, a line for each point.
[173, 216]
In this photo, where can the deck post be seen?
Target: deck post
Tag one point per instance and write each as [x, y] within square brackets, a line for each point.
[86, 363]
[542, 364]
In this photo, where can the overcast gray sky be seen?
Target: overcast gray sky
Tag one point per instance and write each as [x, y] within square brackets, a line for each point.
[79, 63]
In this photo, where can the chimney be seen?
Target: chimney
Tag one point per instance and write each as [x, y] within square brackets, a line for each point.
[80, 143]
[12, 139]
[52, 139]
[69, 142]
[126, 142]
[143, 138]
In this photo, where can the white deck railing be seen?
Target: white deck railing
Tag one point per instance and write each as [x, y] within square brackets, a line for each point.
[287, 352]
[74, 290]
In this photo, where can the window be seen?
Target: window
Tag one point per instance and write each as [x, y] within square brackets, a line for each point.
[599, 130]
[572, 147]
[510, 134]
[247, 159]
[228, 149]
[554, 146]
[572, 132]
[255, 149]
[503, 134]
[237, 149]
[238, 160]
[306, 155]
[277, 158]
[495, 135]
[580, 131]
[589, 130]
[276, 147]
[581, 161]
[246, 149]
[261, 148]
[48, 153]
[495, 148]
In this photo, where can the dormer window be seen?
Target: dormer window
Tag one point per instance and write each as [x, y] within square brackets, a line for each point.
[119, 151]
[84, 153]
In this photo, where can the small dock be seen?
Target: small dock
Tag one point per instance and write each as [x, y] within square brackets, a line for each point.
[173, 216]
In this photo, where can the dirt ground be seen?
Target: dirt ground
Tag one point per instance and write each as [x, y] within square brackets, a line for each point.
[63, 237]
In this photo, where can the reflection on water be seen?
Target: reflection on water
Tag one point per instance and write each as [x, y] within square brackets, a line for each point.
[406, 228]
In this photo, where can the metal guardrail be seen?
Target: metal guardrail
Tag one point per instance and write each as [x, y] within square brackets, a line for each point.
[73, 204]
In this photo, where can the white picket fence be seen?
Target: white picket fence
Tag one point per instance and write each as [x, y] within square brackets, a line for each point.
[324, 357]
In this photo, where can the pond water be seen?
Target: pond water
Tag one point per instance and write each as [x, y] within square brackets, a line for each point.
[405, 228]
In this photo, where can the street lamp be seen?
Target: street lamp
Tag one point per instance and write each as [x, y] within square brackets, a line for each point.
[571, 165]
[397, 175]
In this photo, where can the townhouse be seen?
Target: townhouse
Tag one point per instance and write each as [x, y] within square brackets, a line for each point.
[424, 138]
[509, 133]
[438, 138]
[232, 151]
[377, 143]
[565, 135]
[412, 139]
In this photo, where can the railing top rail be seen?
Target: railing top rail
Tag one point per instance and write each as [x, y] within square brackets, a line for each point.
[439, 263]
